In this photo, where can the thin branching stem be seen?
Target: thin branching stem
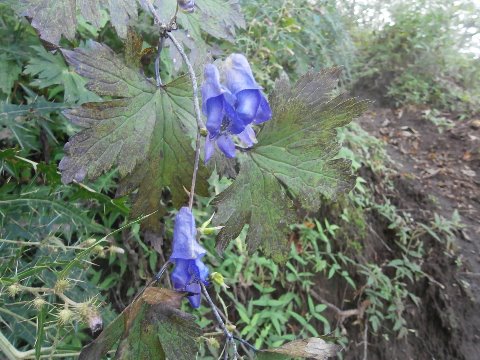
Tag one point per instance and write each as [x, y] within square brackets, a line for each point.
[193, 79]
[155, 279]
[228, 334]
[245, 342]
[157, 18]
[195, 171]
[196, 106]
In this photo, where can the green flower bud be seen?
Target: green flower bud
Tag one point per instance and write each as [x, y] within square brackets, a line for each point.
[61, 286]
[13, 290]
[39, 303]
[65, 316]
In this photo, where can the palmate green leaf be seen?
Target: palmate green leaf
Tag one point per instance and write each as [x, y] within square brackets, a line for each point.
[9, 72]
[218, 18]
[23, 122]
[51, 70]
[150, 328]
[145, 132]
[56, 18]
[293, 165]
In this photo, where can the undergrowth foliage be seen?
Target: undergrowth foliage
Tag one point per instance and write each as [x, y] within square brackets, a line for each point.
[90, 244]
[144, 128]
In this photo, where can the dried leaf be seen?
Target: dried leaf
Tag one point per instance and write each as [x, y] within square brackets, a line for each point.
[314, 348]
[150, 328]
[56, 18]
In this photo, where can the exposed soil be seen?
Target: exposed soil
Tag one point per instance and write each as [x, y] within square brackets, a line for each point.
[437, 173]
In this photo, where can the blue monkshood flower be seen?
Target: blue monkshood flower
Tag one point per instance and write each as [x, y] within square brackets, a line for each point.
[187, 255]
[251, 104]
[231, 109]
[186, 5]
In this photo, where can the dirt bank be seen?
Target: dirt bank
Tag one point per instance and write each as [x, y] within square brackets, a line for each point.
[436, 173]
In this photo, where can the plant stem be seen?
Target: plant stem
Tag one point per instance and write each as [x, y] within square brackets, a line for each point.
[153, 11]
[158, 79]
[193, 79]
[228, 334]
[245, 342]
[154, 280]
[196, 106]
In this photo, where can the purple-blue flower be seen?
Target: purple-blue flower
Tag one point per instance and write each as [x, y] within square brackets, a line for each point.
[186, 5]
[251, 105]
[232, 108]
[187, 256]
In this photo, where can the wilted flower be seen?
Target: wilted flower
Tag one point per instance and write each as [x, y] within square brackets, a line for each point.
[186, 5]
[232, 108]
[187, 255]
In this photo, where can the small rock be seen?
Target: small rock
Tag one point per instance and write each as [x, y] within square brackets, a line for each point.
[475, 124]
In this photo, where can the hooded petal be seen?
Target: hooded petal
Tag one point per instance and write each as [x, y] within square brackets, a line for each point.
[238, 74]
[251, 104]
[185, 244]
[211, 86]
[226, 145]
[248, 103]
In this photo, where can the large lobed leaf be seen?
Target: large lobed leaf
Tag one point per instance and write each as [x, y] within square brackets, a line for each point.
[56, 18]
[218, 18]
[152, 327]
[145, 132]
[293, 165]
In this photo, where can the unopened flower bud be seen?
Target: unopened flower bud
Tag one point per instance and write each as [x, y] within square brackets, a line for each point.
[213, 342]
[205, 230]
[210, 230]
[89, 242]
[230, 327]
[99, 251]
[116, 250]
[218, 279]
